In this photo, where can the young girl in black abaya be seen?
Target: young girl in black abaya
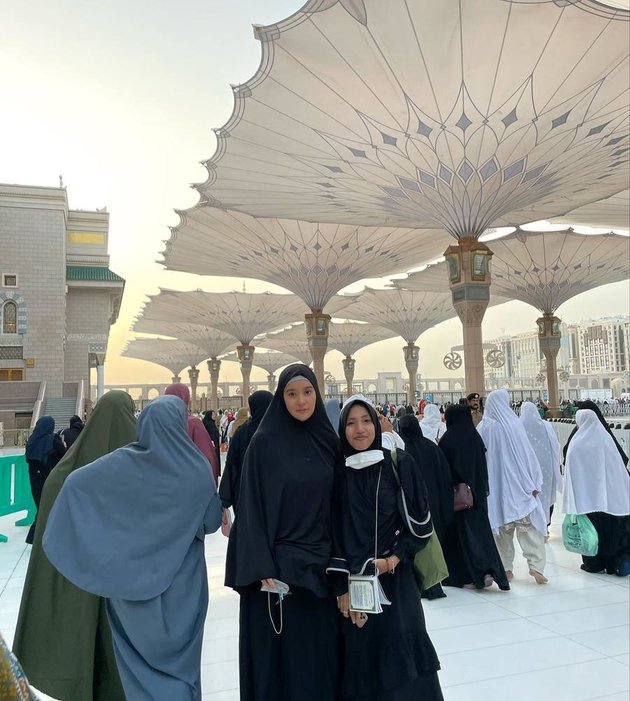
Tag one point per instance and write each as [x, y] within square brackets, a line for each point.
[386, 656]
[288, 646]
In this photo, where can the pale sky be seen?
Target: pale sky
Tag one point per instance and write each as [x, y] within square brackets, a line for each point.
[120, 98]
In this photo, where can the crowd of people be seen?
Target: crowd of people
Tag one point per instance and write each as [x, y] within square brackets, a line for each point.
[342, 514]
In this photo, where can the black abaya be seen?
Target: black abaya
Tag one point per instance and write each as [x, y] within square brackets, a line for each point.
[283, 531]
[391, 657]
[231, 481]
[437, 478]
[613, 551]
[468, 545]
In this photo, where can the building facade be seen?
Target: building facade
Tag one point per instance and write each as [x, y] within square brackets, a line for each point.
[58, 297]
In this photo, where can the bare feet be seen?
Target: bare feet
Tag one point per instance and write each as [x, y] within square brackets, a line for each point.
[488, 580]
[539, 577]
[509, 574]
[469, 586]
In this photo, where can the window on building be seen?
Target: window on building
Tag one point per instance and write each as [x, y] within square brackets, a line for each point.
[9, 280]
[9, 317]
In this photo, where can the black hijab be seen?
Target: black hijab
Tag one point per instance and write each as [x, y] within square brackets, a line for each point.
[434, 468]
[283, 529]
[465, 451]
[71, 433]
[588, 404]
[402, 506]
[231, 481]
[211, 427]
[41, 442]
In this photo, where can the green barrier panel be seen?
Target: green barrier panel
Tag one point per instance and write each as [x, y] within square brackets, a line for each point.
[15, 490]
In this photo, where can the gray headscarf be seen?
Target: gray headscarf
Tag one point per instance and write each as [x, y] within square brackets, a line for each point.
[122, 525]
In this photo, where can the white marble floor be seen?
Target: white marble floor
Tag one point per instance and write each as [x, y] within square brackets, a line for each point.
[568, 640]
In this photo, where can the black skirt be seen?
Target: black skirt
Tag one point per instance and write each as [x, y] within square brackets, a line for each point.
[613, 533]
[299, 664]
[470, 551]
[392, 657]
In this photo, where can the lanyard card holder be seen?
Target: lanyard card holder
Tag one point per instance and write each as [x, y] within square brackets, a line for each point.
[366, 594]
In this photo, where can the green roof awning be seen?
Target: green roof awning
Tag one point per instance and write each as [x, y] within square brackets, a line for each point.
[92, 273]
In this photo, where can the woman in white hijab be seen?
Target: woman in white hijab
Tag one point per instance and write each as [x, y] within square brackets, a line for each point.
[598, 485]
[515, 480]
[432, 426]
[545, 443]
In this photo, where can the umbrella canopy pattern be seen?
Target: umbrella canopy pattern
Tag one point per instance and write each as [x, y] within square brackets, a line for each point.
[213, 342]
[269, 361]
[314, 261]
[545, 268]
[404, 312]
[291, 340]
[167, 352]
[349, 337]
[459, 115]
[613, 212]
[239, 314]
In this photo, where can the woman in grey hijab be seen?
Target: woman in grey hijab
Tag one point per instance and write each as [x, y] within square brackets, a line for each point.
[130, 527]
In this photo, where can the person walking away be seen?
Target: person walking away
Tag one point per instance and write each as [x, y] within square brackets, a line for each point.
[288, 648]
[469, 549]
[545, 443]
[130, 528]
[598, 485]
[44, 449]
[230, 486]
[515, 480]
[382, 520]
[210, 423]
[63, 637]
[70, 434]
[432, 425]
[437, 477]
[196, 430]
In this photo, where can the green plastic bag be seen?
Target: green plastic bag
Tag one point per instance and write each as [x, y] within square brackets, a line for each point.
[429, 565]
[579, 535]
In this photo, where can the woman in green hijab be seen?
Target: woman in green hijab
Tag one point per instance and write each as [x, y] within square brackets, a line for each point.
[62, 638]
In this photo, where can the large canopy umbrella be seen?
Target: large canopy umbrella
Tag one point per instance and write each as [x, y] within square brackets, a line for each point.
[292, 341]
[545, 269]
[167, 352]
[270, 361]
[459, 116]
[314, 261]
[348, 337]
[211, 340]
[407, 314]
[239, 314]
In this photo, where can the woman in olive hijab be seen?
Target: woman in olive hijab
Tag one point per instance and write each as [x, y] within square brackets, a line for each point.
[63, 638]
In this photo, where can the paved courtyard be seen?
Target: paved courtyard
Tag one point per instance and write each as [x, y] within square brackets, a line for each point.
[566, 641]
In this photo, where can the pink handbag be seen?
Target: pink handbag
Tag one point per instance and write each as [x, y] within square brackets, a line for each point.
[462, 497]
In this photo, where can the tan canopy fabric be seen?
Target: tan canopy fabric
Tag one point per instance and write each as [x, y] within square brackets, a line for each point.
[460, 115]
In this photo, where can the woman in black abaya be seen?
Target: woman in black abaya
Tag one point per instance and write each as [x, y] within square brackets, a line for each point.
[288, 647]
[386, 656]
[231, 480]
[469, 549]
[209, 422]
[437, 477]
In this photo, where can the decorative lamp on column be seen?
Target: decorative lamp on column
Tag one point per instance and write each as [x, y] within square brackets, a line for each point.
[412, 356]
[550, 339]
[469, 280]
[317, 328]
[348, 371]
[214, 368]
[246, 359]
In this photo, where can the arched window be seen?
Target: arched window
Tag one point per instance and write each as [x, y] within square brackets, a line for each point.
[9, 317]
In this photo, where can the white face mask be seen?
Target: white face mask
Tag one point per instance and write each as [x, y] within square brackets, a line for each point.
[368, 457]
